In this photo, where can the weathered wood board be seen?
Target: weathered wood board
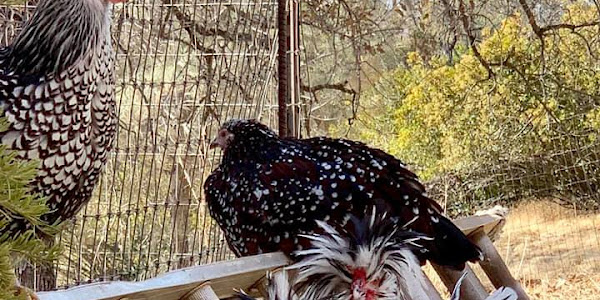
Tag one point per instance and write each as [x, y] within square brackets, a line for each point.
[223, 277]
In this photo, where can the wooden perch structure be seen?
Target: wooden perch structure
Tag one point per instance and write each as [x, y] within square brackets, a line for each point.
[201, 282]
[220, 280]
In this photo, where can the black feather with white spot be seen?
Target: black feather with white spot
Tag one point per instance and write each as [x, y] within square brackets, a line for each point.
[268, 190]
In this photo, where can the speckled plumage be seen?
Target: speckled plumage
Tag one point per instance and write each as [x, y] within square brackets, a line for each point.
[56, 91]
[372, 261]
[268, 190]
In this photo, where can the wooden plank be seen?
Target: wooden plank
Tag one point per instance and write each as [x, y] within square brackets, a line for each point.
[495, 268]
[242, 273]
[471, 287]
[431, 291]
[224, 277]
[469, 224]
[202, 292]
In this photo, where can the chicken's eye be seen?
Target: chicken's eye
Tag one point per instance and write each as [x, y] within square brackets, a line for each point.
[222, 133]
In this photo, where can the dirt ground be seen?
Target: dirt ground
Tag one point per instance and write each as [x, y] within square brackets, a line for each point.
[552, 250]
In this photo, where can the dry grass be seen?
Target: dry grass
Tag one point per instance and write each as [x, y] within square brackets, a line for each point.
[553, 251]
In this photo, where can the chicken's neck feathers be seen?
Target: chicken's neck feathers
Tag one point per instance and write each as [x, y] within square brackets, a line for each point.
[58, 35]
[260, 150]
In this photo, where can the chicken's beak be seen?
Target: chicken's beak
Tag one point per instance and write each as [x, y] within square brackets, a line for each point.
[213, 144]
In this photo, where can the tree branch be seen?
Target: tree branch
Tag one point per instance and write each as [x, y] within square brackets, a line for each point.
[540, 31]
[568, 26]
[191, 25]
[531, 19]
[329, 86]
[466, 25]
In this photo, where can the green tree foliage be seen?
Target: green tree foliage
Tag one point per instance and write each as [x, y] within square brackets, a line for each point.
[517, 98]
[17, 202]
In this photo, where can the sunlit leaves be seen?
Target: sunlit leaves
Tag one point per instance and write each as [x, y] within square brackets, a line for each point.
[454, 117]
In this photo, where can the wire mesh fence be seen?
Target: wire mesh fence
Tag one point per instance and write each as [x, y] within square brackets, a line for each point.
[186, 66]
[183, 67]
[551, 241]
[492, 103]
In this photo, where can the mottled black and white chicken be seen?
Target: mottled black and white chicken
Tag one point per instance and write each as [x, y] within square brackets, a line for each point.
[56, 91]
[269, 191]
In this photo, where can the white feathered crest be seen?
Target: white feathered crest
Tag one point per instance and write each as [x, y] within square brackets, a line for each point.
[374, 262]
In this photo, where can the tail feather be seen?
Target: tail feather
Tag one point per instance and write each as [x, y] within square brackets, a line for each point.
[241, 295]
[450, 247]
[456, 291]
[503, 293]
[411, 279]
[278, 288]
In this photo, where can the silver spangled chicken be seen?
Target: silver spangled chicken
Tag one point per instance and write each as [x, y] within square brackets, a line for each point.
[57, 93]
